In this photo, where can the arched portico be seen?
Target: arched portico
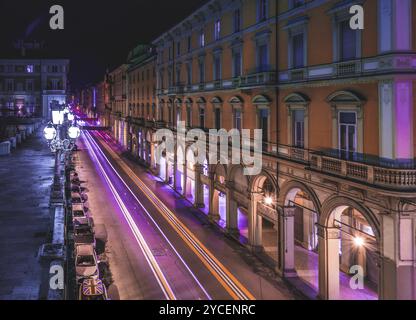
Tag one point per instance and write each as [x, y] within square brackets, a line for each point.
[298, 233]
[263, 222]
[349, 241]
[219, 196]
[238, 203]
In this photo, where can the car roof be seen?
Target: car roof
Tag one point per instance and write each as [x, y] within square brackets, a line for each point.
[85, 249]
[77, 207]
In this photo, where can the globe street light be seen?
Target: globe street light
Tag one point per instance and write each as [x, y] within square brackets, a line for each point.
[74, 132]
[49, 132]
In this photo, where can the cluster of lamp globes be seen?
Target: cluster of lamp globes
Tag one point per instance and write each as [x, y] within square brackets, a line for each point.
[51, 132]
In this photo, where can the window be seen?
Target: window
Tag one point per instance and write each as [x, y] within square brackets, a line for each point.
[237, 20]
[178, 49]
[299, 128]
[169, 114]
[9, 85]
[298, 50]
[262, 58]
[217, 67]
[189, 44]
[217, 118]
[237, 119]
[202, 39]
[201, 117]
[348, 131]
[29, 85]
[237, 63]
[178, 75]
[189, 116]
[29, 68]
[170, 78]
[201, 71]
[262, 10]
[217, 30]
[264, 123]
[189, 74]
[347, 41]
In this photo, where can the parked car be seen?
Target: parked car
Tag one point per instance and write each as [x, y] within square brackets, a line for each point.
[84, 231]
[76, 198]
[79, 211]
[86, 263]
[92, 289]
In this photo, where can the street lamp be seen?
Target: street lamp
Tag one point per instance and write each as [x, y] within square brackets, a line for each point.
[268, 200]
[58, 114]
[74, 132]
[359, 242]
[49, 132]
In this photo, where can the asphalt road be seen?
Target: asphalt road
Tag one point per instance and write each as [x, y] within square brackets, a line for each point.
[159, 247]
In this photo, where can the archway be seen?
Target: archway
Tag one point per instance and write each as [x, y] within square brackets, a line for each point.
[349, 268]
[219, 201]
[205, 188]
[179, 173]
[239, 203]
[264, 220]
[300, 235]
[190, 176]
[162, 168]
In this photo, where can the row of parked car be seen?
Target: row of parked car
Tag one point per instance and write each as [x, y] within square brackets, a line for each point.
[91, 287]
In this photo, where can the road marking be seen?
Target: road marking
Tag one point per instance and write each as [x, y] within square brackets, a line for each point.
[151, 218]
[160, 277]
[220, 272]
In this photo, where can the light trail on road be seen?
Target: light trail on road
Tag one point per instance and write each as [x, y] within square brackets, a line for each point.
[236, 290]
[156, 269]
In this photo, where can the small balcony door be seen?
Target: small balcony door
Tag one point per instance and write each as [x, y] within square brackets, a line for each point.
[348, 132]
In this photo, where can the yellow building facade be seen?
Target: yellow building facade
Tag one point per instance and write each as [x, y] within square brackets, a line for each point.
[336, 194]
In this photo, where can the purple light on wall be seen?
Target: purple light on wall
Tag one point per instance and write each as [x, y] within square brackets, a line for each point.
[404, 119]
[94, 97]
[403, 27]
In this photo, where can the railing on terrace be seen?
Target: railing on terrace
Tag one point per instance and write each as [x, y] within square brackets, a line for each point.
[392, 174]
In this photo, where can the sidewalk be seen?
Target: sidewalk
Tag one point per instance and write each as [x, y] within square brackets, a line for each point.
[26, 177]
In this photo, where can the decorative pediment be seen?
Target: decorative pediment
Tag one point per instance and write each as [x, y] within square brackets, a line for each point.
[345, 97]
[216, 100]
[261, 100]
[201, 100]
[188, 101]
[297, 98]
[236, 100]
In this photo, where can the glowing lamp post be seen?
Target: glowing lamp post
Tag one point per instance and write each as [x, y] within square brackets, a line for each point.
[49, 132]
[268, 200]
[74, 132]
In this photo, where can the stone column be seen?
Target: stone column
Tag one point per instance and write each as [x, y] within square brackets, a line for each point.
[184, 179]
[231, 212]
[398, 269]
[287, 234]
[213, 214]
[199, 192]
[328, 262]
[255, 223]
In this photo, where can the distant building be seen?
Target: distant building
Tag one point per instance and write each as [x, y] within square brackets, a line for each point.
[28, 86]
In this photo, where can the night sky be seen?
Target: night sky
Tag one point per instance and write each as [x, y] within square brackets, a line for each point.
[98, 34]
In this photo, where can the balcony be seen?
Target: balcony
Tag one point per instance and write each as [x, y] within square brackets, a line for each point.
[383, 64]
